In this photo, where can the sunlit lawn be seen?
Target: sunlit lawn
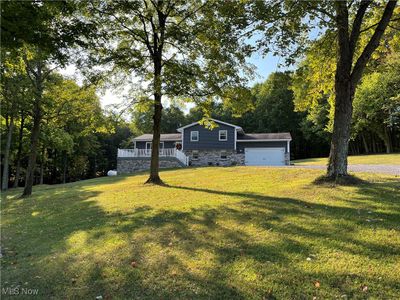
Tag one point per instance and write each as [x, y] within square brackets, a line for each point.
[376, 159]
[212, 233]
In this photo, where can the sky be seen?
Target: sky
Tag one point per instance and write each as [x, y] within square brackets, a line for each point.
[264, 66]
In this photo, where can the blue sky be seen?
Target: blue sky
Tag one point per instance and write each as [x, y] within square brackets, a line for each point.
[265, 66]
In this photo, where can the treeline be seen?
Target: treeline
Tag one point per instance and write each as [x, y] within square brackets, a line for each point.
[77, 140]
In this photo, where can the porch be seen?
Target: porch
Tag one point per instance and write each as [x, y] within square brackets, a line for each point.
[164, 152]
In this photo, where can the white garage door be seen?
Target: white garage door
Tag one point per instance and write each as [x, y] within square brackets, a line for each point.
[264, 156]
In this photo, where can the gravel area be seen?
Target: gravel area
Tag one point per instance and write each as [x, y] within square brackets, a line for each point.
[386, 169]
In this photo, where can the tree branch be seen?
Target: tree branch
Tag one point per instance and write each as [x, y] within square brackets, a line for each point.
[355, 32]
[373, 43]
[372, 26]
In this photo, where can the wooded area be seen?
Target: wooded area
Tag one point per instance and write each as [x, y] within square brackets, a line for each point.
[341, 96]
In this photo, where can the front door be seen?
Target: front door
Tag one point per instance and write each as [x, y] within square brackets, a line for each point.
[148, 148]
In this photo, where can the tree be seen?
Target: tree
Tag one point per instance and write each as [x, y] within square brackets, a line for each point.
[186, 49]
[14, 98]
[349, 21]
[141, 119]
[47, 31]
[377, 103]
[349, 71]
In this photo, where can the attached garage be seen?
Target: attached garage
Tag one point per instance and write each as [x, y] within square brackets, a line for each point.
[264, 156]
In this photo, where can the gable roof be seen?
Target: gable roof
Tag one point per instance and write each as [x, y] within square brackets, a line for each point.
[238, 128]
[163, 137]
[259, 137]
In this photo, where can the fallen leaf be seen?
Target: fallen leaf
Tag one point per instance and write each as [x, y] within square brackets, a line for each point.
[364, 288]
[317, 284]
[133, 264]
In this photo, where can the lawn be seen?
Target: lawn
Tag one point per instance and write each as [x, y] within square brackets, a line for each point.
[375, 159]
[212, 233]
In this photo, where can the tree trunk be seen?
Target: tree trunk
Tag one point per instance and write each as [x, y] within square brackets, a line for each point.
[364, 140]
[154, 165]
[30, 171]
[64, 178]
[42, 166]
[341, 131]
[337, 166]
[387, 140]
[4, 181]
[19, 151]
[37, 118]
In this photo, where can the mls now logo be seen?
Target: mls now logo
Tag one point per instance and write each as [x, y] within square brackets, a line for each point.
[18, 291]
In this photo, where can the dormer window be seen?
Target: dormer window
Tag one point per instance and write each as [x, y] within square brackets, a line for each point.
[194, 136]
[223, 135]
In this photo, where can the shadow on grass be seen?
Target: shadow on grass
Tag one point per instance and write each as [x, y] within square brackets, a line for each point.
[70, 247]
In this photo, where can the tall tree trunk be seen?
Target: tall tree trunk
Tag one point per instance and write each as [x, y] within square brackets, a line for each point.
[387, 140]
[4, 181]
[37, 118]
[154, 165]
[347, 79]
[42, 166]
[54, 172]
[343, 98]
[64, 177]
[19, 151]
[364, 140]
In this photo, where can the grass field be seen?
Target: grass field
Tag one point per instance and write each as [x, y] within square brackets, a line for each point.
[212, 233]
[376, 159]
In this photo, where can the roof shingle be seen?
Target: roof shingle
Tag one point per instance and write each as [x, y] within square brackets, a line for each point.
[163, 137]
[265, 136]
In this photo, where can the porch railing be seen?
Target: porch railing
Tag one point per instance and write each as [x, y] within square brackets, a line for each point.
[165, 152]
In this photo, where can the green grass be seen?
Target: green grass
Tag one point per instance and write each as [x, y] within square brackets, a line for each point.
[212, 233]
[375, 159]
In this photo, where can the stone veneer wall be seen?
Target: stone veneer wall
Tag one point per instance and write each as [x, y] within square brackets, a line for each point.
[135, 164]
[213, 158]
[287, 158]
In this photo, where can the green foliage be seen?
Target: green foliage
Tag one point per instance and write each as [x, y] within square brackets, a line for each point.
[46, 25]
[202, 51]
[377, 101]
[141, 119]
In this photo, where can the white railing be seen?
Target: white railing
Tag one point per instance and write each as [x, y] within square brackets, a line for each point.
[182, 157]
[166, 152]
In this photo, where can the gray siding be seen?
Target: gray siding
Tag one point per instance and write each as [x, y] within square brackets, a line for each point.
[273, 144]
[208, 139]
[167, 144]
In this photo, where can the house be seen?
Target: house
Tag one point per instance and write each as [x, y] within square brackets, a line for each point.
[195, 145]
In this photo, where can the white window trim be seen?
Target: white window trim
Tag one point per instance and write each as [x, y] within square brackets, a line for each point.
[219, 135]
[191, 136]
[150, 143]
[148, 148]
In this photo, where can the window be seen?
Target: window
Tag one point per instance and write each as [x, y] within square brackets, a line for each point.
[195, 154]
[224, 155]
[148, 147]
[194, 136]
[223, 135]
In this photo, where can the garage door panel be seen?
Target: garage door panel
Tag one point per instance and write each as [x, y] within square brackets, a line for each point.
[265, 156]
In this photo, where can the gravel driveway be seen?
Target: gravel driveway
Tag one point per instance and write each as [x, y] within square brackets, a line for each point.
[387, 169]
